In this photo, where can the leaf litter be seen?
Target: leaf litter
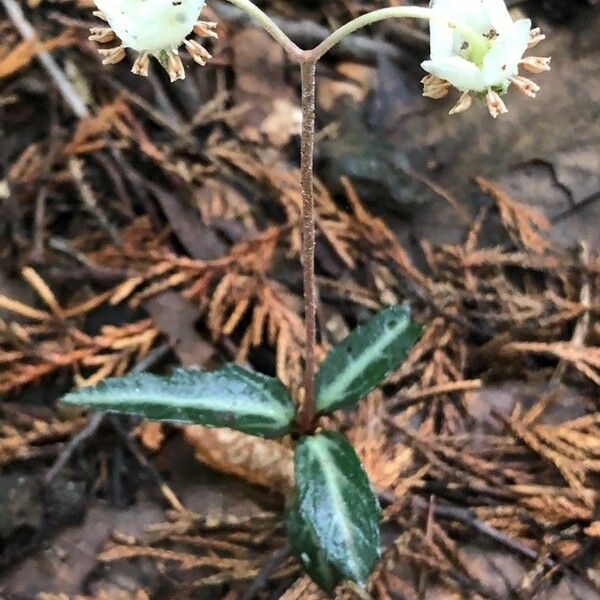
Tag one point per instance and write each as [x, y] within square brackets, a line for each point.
[152, 196]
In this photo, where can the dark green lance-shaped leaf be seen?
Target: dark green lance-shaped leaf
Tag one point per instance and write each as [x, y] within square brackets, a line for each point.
[365, 358]
[230, 397]
[305, 546]
[336, 506]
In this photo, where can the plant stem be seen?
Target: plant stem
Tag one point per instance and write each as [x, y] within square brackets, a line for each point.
[396, 12]
[267, 23]
[306, 411]
[307, 59]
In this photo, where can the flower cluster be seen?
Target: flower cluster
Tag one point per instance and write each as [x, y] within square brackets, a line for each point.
[152, 28]
[483, 58]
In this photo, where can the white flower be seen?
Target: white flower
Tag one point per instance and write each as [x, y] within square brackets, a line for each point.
[152, 28]
[479, 53]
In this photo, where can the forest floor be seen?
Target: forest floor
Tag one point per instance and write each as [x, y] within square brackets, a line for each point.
[145, 225]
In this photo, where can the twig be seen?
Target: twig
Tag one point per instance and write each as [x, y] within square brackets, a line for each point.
[466, 517]
[64, 86]
[583, 324]
[133, 448]
[273, 563]
[97, 418]
[405, 399]
[425, 572]
[65, 456]
[581, 205]
[89, 200]
[37, 252]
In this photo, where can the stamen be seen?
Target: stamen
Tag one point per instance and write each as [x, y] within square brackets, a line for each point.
[495, 104]
[206, 29]
[528, 87]
[198, 52]
[173, 66]
[535, 37]
[141, 65]
[536, 64]
[435, 87]
[436, 93]
[102, 35]
[465, 102]
[112, 56]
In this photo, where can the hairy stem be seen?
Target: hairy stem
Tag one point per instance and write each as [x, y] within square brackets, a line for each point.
[306, 412]
[270, 26]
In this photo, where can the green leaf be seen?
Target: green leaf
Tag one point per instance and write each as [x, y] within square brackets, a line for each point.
[365, 358]
[335, 506]
[305, 546]
[230, 397]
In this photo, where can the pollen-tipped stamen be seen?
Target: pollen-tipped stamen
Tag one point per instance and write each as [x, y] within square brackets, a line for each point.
[141, 65]
[435, 87]
[528, 87]
[465, 102]
[198, 52]
[536, 64]
[206, 29]
[101, 35]
[171, 61]
[495, 104]
[535, 37]
[112, 56]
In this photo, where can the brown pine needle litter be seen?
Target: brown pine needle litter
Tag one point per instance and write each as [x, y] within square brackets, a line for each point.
[484, 446]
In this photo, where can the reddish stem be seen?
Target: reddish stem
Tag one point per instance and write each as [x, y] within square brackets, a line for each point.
[306, 411]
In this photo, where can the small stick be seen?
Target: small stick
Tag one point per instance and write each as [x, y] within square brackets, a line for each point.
[406, 398]
[466, 517]
[583, 323]
[79, 438]
[133, 448]
[306, 412]
[97, 418]
[64, 86]
[273, 563]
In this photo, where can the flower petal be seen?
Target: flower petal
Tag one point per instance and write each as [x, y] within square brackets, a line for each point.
[441, 40]
[498, 15]
[440, 34]
[501, 63]
[461, 73]
[475, 13]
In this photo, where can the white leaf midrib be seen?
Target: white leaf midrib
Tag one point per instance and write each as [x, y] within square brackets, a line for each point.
[215, 403]
[329, 469]
[342, 382]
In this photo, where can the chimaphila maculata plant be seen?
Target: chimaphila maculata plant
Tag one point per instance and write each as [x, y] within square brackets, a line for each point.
[332, 515]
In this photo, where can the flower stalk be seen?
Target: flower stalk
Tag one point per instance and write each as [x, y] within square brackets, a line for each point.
[270, 27]
[395, 12]
[306, 412]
